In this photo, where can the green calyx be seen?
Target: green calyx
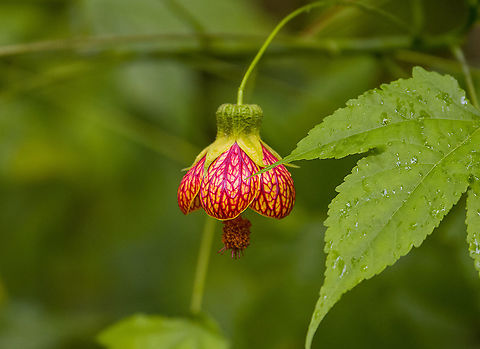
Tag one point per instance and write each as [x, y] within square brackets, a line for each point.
[240, 123]
[236, 124]
[238, 119]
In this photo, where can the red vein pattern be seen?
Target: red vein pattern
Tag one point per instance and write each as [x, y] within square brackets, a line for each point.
[225, 191]
[188, 200]
[277, 193]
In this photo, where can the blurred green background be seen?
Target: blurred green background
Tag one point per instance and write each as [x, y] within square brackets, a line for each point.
[97, 121]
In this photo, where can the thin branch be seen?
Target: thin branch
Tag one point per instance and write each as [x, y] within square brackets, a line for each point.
[238, 45]
[458, 53]
[103, 42]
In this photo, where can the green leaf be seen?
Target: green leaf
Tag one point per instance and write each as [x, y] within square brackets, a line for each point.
[158, 332]
[424, 137]
[384, 115]
[473, 222]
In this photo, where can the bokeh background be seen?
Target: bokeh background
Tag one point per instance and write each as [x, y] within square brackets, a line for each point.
[99, 118]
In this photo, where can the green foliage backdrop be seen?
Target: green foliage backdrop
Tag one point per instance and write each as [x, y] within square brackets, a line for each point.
[93, 134]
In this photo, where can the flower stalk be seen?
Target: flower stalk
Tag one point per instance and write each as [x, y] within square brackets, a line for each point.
[202, 266]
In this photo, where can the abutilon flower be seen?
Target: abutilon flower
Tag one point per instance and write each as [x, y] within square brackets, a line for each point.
[220, 180]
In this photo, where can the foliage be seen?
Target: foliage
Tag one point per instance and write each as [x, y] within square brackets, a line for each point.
[426, 137]
[153, 332]
[102, 102]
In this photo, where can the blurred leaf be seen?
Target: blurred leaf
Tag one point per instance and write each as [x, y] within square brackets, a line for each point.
[426, 133]
[158, 332]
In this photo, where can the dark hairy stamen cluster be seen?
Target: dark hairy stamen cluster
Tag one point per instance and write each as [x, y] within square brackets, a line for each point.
[236, 236]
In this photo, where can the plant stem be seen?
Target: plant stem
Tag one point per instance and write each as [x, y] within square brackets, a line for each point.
[299, 11]
[202, 266]
[458, 53]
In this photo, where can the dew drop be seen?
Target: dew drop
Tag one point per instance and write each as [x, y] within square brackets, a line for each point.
[344, 270]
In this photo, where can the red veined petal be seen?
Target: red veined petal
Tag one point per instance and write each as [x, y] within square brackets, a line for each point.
[189, 187]
[225, 191]
[196, 204]
[277, 192]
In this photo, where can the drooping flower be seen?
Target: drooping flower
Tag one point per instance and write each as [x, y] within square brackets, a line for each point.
[220, 180]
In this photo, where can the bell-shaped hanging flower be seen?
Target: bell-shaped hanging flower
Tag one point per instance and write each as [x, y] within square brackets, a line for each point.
[220, 180]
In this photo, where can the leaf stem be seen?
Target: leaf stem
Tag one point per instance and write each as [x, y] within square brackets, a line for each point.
[304, 9]
[458, 53]
[202, 266]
